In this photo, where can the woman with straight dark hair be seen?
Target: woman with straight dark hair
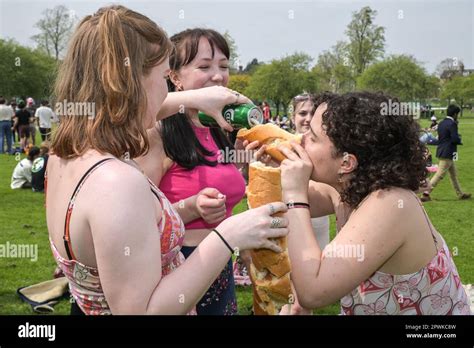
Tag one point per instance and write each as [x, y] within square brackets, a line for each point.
[113, 233]
[186, 158]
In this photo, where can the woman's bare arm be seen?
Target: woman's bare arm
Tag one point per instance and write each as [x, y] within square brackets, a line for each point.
[322, 199]
[321, 280]
[128, 247]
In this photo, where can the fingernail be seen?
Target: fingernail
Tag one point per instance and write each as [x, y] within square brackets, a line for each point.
[220, 195]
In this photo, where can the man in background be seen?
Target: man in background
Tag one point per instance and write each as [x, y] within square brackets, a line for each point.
[6, 114]
[44, 115]
[448, 140]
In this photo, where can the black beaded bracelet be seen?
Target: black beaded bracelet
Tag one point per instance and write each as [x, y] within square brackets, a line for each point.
[225, 242]
[292, 205]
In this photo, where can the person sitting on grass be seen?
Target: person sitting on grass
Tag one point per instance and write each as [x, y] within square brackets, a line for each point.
[38, 169]
[387, 257]
[434, 123]
[21, 177]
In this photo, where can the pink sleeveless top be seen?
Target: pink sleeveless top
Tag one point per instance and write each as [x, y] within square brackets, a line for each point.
[84, 281]
[435, 289]
[180, 183]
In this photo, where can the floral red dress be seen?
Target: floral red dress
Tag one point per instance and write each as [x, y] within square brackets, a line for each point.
[84, 281]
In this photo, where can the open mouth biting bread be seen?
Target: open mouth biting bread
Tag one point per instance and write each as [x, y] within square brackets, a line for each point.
[270, 135]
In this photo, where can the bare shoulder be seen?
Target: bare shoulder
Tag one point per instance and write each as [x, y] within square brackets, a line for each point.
[116, 187]
[382, 223]
[120, 198]
[117, 178]
[323, 199]
[325, 189]
[395, 197]
[391, 208]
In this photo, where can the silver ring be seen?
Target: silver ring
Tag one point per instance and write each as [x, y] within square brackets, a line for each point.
[275, 223]
[272, 209]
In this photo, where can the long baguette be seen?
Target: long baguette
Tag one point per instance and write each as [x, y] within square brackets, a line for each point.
[269, 271]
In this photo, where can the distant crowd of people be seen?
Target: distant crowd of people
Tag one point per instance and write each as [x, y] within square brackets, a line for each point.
[19, 121]
[283, 122]
[158, 171]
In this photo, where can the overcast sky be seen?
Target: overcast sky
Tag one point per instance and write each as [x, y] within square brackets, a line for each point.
[429, 30]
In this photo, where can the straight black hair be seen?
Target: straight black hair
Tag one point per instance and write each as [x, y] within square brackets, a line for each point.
[34, 151]
[453, 110]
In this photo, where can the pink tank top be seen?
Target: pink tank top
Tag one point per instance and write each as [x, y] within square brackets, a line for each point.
[180, 183]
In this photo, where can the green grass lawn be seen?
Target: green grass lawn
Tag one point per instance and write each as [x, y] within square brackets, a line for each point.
[22, 218]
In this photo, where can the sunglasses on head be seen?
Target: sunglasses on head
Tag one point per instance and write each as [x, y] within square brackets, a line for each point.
[302, 97]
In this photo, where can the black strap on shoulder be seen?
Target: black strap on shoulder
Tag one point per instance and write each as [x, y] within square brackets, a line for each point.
[65, 238]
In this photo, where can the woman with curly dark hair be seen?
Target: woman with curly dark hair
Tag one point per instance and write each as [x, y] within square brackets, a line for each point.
[387, 257]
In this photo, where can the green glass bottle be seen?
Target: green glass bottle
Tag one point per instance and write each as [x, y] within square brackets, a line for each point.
[238, 115]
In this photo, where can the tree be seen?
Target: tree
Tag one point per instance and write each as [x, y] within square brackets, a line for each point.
[234, 62]
[25, 71]
[252, 66]
[366, 40]
[459, 88]
[449, 68]
[239, 82]
[281, 80]
[401, 76]
[55, 30]
[333, 71]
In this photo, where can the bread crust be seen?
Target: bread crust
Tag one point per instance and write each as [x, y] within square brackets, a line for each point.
[269, 271]
[270, 135]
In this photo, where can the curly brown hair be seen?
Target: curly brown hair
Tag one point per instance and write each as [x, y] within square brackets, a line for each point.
[387, 147]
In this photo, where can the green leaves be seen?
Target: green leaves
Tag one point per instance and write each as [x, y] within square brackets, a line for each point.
[366, 40]
[401, 76]
[239, 83]
[460, 88]
[25, 71]
[282, 79]
[333, 70]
